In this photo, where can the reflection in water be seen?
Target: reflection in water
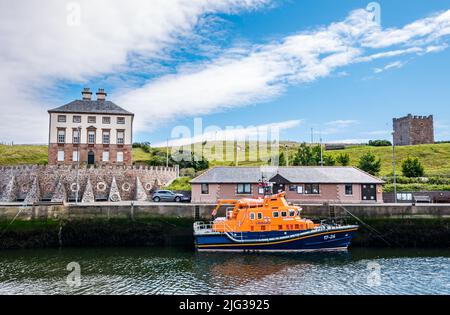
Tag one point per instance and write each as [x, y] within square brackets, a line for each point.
[175, 271]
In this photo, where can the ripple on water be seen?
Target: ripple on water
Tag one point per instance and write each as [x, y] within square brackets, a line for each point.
[147, 271]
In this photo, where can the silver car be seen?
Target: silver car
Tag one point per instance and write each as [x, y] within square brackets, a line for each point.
[168, 196]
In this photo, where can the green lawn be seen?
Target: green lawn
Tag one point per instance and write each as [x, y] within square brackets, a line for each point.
[435, 157]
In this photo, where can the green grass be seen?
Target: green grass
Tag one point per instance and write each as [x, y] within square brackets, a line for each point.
[434, 157]
[181, 183]
[24, 154]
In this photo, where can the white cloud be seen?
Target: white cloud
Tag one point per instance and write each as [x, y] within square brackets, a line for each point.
[263, 72]
[261, 132]
[39, 49]
[392, 65]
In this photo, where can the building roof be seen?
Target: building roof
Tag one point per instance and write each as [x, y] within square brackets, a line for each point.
[300, 174]
[91, 107]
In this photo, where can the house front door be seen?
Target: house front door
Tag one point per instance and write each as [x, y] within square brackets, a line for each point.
[369, 192]
[91, 158]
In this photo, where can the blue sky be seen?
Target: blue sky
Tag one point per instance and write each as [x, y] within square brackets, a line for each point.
[238, 63]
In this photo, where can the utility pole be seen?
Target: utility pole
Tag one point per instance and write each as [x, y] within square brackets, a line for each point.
[167, 153]
[78, 164]
[312, 135]
[394, 166]
[321, 152]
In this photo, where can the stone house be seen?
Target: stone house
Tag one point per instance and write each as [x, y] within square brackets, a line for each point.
[302, 184]
[93, 132]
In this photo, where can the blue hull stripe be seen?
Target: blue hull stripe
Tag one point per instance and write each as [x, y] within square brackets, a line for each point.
[319, 240]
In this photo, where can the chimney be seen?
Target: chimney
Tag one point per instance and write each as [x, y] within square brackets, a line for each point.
[101, 95]
[87, 94]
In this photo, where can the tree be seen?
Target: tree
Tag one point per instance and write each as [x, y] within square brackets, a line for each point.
[380, 143]
[370, 164]
[281, 160]
[343, 159]
[412, 168]
[329, 160]
[307, 155]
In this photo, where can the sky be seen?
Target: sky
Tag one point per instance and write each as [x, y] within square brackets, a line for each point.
[341, 68]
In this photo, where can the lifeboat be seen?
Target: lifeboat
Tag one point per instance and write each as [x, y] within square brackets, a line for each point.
[269, 224]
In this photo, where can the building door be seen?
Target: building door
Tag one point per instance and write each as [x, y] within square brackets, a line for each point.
[278, 188]
[369, 192]
[91, 158]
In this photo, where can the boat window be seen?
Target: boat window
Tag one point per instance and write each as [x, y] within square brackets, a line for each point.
[276, 214]
[284, 214]
[291, 213]
[260, 215]
[252, 216]
[297, 226]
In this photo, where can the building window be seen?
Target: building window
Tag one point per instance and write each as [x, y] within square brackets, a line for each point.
[75, 156]
[292, 187]
[105, 157]
[62, 118]
[205, 189]
[77, 119]
[312, 189]
[92, 119]
[106, 137]
[244, 189]
[60, 156]
[76, 136]
[61, 136]
[121, 120]
[300, 190]
[120, 137]
[349, 190]
[106, 120]
[91, 137]
[120, 157]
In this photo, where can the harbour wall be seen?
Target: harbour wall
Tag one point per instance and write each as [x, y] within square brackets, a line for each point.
[144, 224]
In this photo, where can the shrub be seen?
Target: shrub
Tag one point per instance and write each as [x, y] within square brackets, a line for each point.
[343, 159]
[380, 143]
[412, 168]
[370, 164]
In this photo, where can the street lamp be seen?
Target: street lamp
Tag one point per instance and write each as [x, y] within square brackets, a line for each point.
[394, 166]
[78, 164]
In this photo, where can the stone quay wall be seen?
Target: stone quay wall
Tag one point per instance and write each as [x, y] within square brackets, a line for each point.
[31, 184]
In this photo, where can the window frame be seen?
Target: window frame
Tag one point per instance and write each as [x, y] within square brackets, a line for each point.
[58, 139]
[106, 132]
[309, 189]
[351, 189]
[120, 121]
[62, 118]
[252, 216]
[78, 121]
[120, 153]
[106, 120]
[94, 133]
[120, 140]
[260, 215]
[204, 191]
[108, 155]
[75, 152]
[63, 156]
[243, 191]
[92, 119]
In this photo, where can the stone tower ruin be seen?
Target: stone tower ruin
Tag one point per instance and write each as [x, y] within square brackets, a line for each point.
[413, 130]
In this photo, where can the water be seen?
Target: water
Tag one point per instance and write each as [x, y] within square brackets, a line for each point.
[179, 271]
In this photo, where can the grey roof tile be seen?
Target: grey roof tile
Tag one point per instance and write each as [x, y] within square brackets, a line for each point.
[322, 175]
[91, 107]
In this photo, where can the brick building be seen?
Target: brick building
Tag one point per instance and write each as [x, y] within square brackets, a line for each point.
[413, 130]
[94, 131]
[302, 184]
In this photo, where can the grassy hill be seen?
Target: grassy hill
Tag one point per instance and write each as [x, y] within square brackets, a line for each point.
[435, 157]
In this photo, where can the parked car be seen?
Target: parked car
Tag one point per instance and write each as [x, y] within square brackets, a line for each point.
[168, 196]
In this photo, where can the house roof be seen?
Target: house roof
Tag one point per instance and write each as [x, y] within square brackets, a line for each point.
[314, 175]
[91, 107]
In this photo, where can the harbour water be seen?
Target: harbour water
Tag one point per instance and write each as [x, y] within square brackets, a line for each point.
[181, 271]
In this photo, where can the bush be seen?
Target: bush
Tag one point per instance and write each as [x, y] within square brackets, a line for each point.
[370, 164]
[328, 160]
[343, 159]
[411, 167]
[187, 172]
[182, 183]
[380, 143]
